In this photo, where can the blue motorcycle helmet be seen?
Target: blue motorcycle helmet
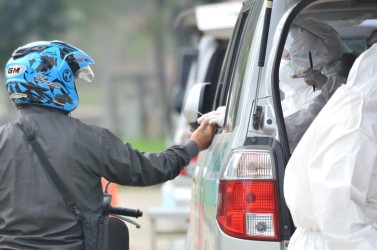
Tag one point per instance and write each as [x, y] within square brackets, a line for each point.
[44, 72]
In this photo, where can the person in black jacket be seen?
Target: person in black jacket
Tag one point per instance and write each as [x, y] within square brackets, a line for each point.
[40, 80]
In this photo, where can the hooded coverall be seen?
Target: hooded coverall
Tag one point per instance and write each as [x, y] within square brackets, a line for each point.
[330, 183]
[301, 103]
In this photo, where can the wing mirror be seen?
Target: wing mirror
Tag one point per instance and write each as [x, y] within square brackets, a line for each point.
[195, 104]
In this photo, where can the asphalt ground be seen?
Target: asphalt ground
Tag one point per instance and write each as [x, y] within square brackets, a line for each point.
[143, 198]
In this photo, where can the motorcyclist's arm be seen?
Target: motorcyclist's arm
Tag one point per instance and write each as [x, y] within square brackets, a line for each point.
[127, 166]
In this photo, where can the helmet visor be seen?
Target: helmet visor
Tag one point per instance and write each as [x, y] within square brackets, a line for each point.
[85, 73]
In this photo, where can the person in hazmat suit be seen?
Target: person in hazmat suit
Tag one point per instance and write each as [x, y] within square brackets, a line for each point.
[330, 183]
[305, 89]
[311, 70]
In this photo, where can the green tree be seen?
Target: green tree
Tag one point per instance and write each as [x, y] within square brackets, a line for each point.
[23, 20]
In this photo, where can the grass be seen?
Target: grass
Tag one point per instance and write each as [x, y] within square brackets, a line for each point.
[147, 144]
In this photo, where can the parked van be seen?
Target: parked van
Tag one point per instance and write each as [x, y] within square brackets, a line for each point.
[237, 190]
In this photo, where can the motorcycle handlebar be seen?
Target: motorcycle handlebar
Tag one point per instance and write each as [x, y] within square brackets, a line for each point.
[125, 211]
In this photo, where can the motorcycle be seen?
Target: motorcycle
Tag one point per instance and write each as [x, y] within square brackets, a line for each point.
[115, 234]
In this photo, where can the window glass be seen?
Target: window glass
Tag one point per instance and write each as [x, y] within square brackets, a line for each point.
[238, 67]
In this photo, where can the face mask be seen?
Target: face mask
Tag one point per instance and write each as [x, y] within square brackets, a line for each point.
[285, 70]
[286, 77]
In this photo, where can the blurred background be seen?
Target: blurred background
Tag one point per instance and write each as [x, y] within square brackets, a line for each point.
[134, 45]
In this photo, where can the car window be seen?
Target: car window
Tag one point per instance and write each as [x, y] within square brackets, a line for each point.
[248, 27]
[213, 73]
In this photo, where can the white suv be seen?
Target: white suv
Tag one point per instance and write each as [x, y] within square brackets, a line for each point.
[237, 193]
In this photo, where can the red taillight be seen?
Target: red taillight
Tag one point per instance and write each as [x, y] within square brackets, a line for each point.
[247, 203]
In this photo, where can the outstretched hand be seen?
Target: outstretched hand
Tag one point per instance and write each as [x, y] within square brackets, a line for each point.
[204, 134]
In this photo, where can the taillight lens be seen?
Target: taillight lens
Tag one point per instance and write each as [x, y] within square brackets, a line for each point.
[247, 204]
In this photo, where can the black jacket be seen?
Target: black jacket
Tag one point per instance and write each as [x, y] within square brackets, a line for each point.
[33, 215]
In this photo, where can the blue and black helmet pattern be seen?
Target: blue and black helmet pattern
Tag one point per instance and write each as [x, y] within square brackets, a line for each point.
[44, 72]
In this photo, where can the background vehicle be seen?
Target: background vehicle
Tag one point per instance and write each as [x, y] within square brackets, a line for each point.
[211, 27]
[237, 196]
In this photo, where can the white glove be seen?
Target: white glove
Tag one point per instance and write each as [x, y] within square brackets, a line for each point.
[215, 117]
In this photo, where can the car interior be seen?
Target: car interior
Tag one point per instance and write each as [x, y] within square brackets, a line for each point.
[354, 21]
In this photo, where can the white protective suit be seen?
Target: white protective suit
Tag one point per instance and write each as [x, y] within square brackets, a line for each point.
[330, 183]
[300, 103]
